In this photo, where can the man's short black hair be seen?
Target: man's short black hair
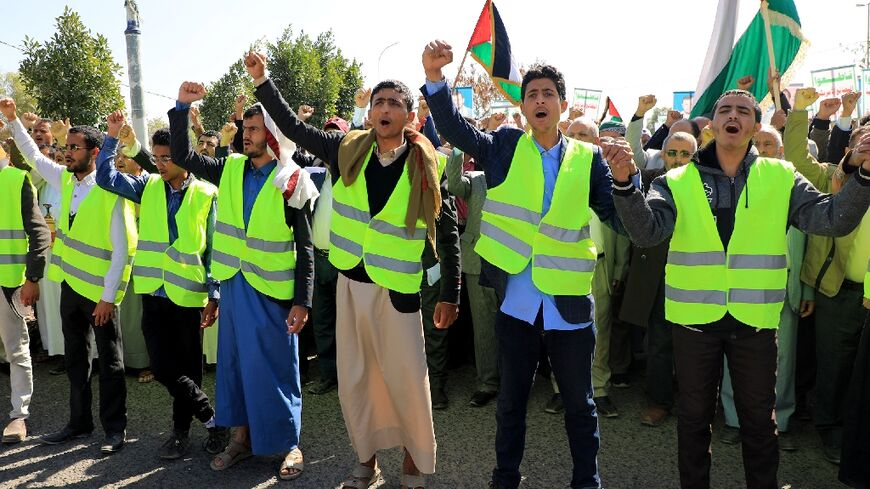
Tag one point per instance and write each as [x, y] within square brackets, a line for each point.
[740, 93]
[544, 71]
[211, 133]
[43, 121]
[160, 137]
[398, 86]
[252, 111]
[93, 137]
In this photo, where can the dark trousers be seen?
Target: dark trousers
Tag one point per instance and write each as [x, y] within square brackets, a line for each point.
[752, 363]
[570, 353]
[436, 339]
[660, 354]
[323, 313]
[76, 317]
[839, 320]
[172, 336]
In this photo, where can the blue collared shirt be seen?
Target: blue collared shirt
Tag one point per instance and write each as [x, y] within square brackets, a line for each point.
[522, 299]
[252, 182]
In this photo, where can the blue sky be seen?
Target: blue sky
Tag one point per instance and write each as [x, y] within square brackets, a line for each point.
[628, 47]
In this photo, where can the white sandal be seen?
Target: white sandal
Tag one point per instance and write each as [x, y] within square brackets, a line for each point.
[413, 481]
[363, 477]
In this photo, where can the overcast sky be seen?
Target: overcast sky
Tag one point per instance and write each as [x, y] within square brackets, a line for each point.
[627, 48]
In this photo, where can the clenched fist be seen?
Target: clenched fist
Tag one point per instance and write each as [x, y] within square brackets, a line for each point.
[850, 101]
[746, 83]
[305, 112]
[127, 136]
[116, 121]
[621, 160]
[828, 108]
[255, 63]
[8, 108]
[644, 104]
[436, 55]
[190, 92]
[228, 132]
[805, 97]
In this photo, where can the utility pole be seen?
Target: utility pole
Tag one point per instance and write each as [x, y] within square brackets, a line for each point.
[134, 71]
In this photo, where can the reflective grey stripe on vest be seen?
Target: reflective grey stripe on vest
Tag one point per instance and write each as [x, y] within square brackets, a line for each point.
[756, 262]
[270, 246]
[393, 264]
[276, 276]
[184, 283]
[566, 264]
[505, 238]
[512, 211]
[756, 296]
[156, 246]
[149, 272]
[714, 297]
[349, 212]
[81, 274]
[699, 258]
[387, 228]
[12, 234]
[13, 259]
[184, 258]
[229, 230]
[59, 233]
[225, 259]
[87, 249]
[564, 235]
[345, 244]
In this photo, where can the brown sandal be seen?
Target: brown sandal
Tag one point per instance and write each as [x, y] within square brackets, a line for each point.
[234, 453]
[363, 477]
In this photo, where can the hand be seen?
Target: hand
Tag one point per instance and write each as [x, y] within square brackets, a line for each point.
[241, 101]
[296, 319]
[115, 121]
[362, 96]
[496, 120]
[804, 97]
[860, 155]
[189, 92]
[127, 136]
[195, 121]
[436, 55]
[644, 104]
[778, 119]
[621, 160]
[673, 116]
[774, 83]
[60, 129]
[8, 109]
[422, 109]
[518, 120]
[255, 63]
[209, 314]
[29, 119]
[616, 287]
[575, 113]
[103, 313]
[305, 112]
[807, 308]
[564, 125]
[828, 108]
[228, 133]
[746, 83]
[850, 101]
[29, 293]
[445, 315]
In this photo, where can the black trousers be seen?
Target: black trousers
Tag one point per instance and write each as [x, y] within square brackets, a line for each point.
[172, 336]
[76, 317]
[660, 354]
[752, 363]
[323, 314]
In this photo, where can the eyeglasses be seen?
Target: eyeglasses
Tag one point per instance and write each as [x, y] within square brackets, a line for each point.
[672, 153]
[163, 159]
[75, 147]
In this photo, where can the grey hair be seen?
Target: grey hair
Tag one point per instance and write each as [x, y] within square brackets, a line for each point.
[681, 136]
[772, 130]
[589, 122]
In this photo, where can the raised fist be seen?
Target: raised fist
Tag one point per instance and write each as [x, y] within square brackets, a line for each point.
[255, 63]
[496, 120]
[804, 97]
[673, 116]
[422, 109]
[29, 119]
[241, 101]
[362, 96]
[305, 112]
[850, 101]
[228, 132]
[127, 136]
[644, 104]
[59, 130]
[116, 121]
[746, 83]
[778, 119]
[190, 92]
[7, 108]
[575, 112]
[436, 55]
[828, 107]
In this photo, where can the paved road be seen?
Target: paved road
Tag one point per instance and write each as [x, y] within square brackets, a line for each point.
[632, 456]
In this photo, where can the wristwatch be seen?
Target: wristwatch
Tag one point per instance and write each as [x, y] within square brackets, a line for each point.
[33, 279]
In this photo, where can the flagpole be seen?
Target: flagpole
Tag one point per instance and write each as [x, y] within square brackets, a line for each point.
[770, 54]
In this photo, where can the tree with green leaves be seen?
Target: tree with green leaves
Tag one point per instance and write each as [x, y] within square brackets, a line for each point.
[306, 71]
[73, 74]
[12, 86]
[154, 124]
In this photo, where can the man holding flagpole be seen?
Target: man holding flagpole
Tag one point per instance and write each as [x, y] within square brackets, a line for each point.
[535, 245]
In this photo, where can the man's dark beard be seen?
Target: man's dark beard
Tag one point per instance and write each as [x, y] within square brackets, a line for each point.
[78, 166]
[256, 151]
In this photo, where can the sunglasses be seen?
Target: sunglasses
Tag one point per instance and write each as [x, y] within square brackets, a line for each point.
[672, 153]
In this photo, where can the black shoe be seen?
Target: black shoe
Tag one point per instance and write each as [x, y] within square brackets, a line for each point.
[494, 485]
[831, 453]
[439, 399]
[218, 438]
[605, 407]
[555, 406]
[64, 435]
[787, 442]
[5, 368]
[322, 386]
[114, 442]
[481, 398]
[176, 446]
[730, 435]
[60, 369]
[620, 381]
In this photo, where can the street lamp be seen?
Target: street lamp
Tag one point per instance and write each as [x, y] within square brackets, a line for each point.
[867, 42]
[381, 56]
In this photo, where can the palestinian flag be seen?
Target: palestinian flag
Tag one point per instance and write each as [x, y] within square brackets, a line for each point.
[611, 112]
[489, 45]
[727, 61]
